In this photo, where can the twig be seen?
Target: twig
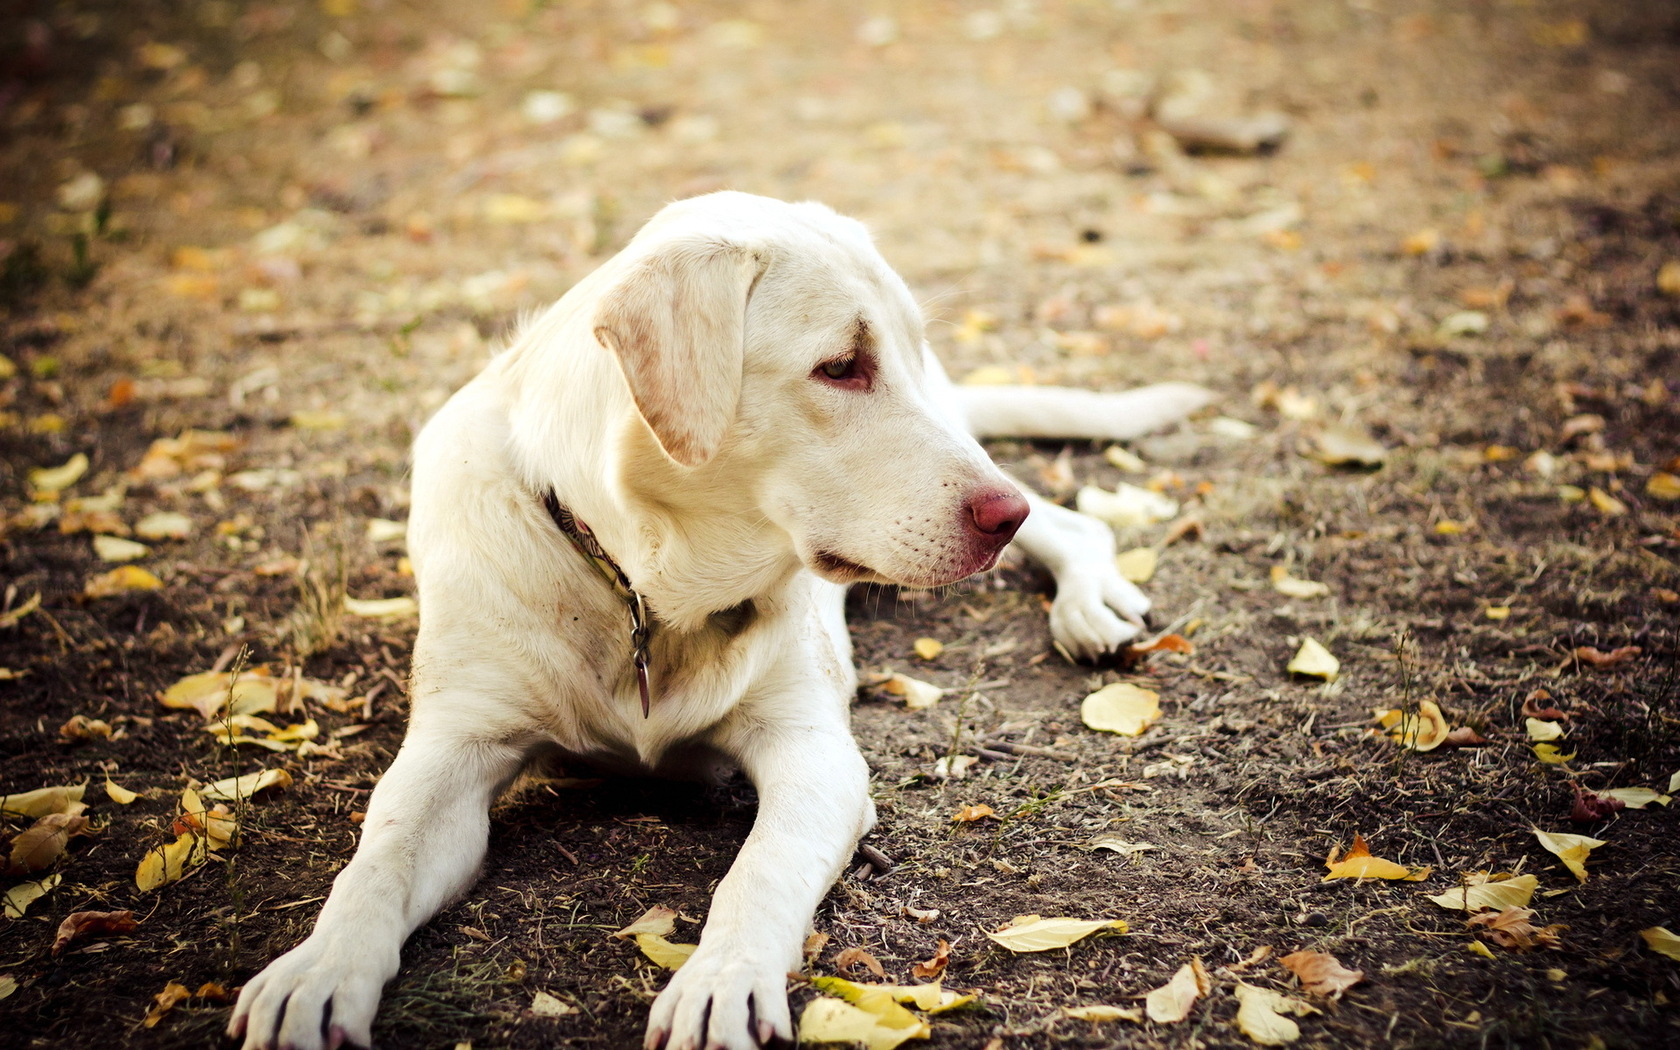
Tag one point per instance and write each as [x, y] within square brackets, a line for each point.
[881, 861]
[1029, 749]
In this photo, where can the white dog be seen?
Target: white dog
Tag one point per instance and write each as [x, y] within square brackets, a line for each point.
[632, 535]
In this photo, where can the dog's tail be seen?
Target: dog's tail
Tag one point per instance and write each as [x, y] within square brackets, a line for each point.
[1060, 412]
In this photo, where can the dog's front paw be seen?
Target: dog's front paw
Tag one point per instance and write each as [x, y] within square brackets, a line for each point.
[1096, 612]
[726, 998]
[315, 996]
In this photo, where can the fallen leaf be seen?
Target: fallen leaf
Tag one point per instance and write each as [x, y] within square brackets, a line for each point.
[81, 727]
[1138, 564]
[932, 969]
[1321, 973]
[546, 1005]
[1128, 506]
[41, 801]
[1514, 892]
[1663, 485]
[1607, 504]
[662, 952]
[238, 729]
[1590, 808]
[658, 920]
[120, 795]
[1167, 643]
[1571, 849]
[1314, 660]
[88, 923]
[165, 1001]
[211, 693]
[1110, 841]
[1100, 1014]
[1344, 444]
[916, 693]
[1030, 933]
[1171, 1003]
[1121, 708]
[1358, 863]
[10, 617]
[1478, 948]
[170, 861]
[1602, 661]
[968, 814]
[49, 481]
[1464, 736]
[8, 985]
[928, 648]
[39, 846]
[1422, 730]
[1124, 459]
[1636, 798]
[1286, 584]
[382, 608]
[1510, 928]
[1551, 754]
[1661, 940]
[851, 958]
[1260, 1015]
[826, 1020]
[115, 548]
[1531, 707]
[121, 580]
[1540, 729]
[164, 525]
[20, 897]
[235, 789]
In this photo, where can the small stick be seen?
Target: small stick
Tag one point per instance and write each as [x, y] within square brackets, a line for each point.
[880, 860]
[1029, 749]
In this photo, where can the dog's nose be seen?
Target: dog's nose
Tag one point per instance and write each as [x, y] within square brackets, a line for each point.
[997, 512]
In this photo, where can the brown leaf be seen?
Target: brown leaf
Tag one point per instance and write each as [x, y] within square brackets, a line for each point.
[174, 992]
[43, 842]
[1590, 808]
[851, 958]
[934, 967]
[1511, 929]
[81, 727]
[1531, 707]
[1321, 973]
[969, 814]
[87, 923]
[1464, 736]
[1599, 660]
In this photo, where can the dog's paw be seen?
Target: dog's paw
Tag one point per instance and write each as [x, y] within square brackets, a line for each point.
[315, 996]
[1096, 611]
[722, 999]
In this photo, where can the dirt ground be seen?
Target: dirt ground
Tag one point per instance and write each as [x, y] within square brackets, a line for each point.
[302, 225]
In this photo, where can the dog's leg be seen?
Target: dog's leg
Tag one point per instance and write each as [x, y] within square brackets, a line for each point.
[1096, 610]
[1059, 412]
[424, 837]
[813, 806]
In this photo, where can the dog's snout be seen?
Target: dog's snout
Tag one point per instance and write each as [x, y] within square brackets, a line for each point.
[996, 512]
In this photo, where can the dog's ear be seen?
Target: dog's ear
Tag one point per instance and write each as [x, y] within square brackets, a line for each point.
[677, 324]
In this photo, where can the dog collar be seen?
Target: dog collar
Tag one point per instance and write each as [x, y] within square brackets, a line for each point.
[641, 630]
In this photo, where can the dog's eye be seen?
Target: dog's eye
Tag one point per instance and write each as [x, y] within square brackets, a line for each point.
[839, 367]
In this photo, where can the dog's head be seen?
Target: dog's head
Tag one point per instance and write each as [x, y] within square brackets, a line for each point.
[775, 359]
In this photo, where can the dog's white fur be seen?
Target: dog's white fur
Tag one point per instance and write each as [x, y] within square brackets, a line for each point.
[674, 401]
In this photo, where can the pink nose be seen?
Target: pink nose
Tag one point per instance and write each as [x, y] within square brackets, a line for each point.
[996, 512]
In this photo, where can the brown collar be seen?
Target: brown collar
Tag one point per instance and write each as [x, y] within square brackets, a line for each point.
[641, 625]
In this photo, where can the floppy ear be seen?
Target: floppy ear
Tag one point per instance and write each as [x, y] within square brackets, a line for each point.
[677, 324]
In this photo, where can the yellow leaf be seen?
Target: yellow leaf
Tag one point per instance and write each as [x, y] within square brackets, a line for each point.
[929, 648]
[1505, 893]
[1571, 849]
[883, 999]
[1260, 1015]
[917, 694]
[211, 692]
[1497, 612]
[381, 608]
[662, 952]
[1286, 584]
[1637, 798]
[1098, 1014]
[1358, 863]
[164, 525]
[1121, 708]
[113, 548]
[1128, 506]
[1540, 729]
[1125, 459]
[1138, 564]
[20, 897]
[38, 803]
[167, 863]
[1660, 939]
[1171, 1003]
[1478, 948]
[48, 481]
[1449, 527]
[1663, 485]
[657, 920]
[121, 580]
[828, 1020]
[1606, 503]
[234, 789]
[1422, 730]
[120, 795]
[543, 1004]
[1551, 754]
[1029, 933]
[1315, 660]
